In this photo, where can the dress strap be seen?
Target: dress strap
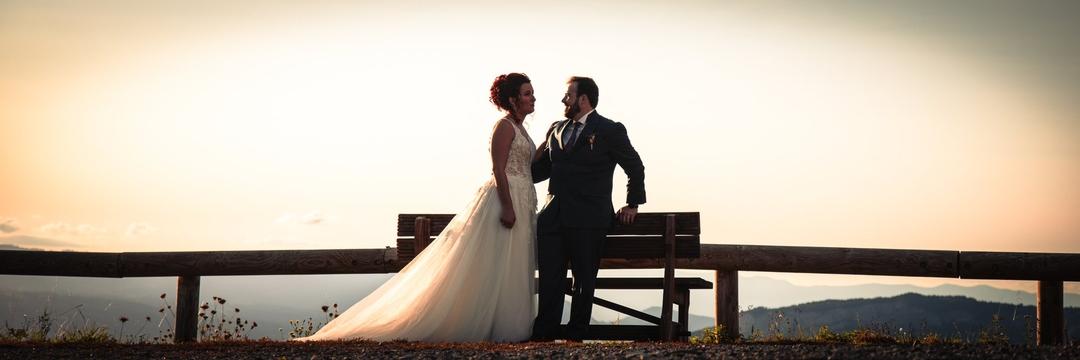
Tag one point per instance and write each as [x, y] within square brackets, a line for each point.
[513, 124]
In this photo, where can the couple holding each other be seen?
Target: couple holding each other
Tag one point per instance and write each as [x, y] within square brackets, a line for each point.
[474, 282]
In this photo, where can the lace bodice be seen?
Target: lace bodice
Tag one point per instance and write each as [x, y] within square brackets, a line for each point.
[519, 164]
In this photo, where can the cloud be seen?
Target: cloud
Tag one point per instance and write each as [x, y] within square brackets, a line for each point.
[62, 229]
[8, 225]
[310, 218]
[17, 247]
[139, 229]
[25, 240]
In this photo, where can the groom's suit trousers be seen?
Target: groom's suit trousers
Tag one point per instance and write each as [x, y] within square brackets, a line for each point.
[582, 249]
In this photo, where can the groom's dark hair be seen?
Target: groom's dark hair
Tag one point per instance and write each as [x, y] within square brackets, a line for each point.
[586, 86]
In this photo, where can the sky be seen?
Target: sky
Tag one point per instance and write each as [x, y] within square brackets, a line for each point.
[245, 125]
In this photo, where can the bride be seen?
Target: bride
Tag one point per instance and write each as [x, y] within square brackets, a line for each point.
[474, 282]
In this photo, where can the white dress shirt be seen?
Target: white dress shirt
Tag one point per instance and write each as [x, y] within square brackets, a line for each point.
[566, 134]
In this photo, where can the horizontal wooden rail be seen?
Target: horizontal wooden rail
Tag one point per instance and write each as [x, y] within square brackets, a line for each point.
[801, 259]
[1019, 266]
[859, 261]
[200, 263]
[1049, 269]
[793, 259]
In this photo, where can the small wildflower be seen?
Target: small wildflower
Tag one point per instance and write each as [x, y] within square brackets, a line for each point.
[324, 308]
[123, 319]
[147, 318]
[237, 309]
[221, 301]
[205, 306]
[162, 295]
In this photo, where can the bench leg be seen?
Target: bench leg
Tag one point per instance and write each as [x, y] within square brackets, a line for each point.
[666, 327]
[684, 313]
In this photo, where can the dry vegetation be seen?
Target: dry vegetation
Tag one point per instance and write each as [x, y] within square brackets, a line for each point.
[223, 333]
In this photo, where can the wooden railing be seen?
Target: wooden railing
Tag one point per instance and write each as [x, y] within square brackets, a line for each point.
[1049, 269]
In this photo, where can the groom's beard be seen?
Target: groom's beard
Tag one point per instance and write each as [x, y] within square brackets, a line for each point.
[571, 111]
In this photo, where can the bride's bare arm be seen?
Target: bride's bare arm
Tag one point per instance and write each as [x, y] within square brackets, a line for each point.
[501, 139]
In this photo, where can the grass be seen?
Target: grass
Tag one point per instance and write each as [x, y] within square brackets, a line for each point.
[217, 323]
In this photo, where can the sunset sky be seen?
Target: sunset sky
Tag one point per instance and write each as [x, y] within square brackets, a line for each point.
[243, 125]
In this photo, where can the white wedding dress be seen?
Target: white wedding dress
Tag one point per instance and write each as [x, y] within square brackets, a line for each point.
[474, 282]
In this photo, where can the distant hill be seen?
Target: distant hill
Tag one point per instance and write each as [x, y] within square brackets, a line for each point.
[755, 291]
[916, 314]
[67, 310]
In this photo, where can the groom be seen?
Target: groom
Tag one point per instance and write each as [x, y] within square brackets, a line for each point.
[579, 156]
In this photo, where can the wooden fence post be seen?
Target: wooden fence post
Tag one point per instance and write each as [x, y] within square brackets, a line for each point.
[667, 331]
[1050, 312]
[187, 309]
[727, 302]
[421, 234]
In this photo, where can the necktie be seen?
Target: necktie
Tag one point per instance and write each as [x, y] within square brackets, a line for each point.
[573, 136]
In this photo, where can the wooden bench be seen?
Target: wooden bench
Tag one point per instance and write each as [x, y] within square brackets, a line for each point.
[661, 236]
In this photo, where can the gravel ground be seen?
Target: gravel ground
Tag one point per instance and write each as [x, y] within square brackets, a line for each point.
[404, 350]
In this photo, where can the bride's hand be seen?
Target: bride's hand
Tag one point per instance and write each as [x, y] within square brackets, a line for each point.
[540, 151]
[508, 218]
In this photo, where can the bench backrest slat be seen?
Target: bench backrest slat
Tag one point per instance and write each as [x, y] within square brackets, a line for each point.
[686, 223]
[642, 240]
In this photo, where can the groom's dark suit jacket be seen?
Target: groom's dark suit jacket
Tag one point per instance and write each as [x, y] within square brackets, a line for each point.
[579, 193]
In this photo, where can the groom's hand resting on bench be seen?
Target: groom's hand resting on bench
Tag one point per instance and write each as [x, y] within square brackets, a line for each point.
[627, 214]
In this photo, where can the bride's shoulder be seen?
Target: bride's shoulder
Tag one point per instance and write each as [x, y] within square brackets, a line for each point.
[504, 127]
[503, 121]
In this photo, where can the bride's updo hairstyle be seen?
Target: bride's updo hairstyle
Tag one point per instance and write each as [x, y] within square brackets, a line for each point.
[505, 87]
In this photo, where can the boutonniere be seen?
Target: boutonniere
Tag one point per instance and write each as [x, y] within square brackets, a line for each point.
[592, 141]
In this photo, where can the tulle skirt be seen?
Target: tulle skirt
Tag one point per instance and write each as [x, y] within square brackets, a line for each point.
[474, 282]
